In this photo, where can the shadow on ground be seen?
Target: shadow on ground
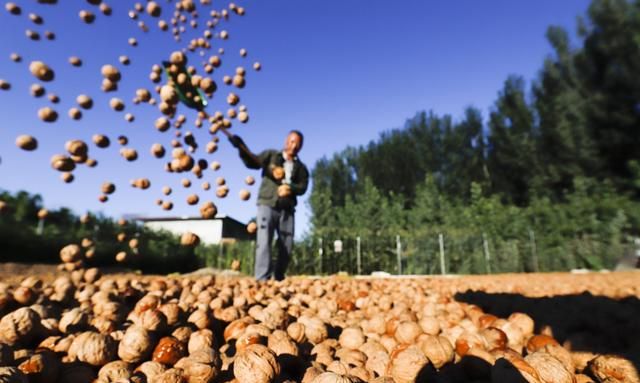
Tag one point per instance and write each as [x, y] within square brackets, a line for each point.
[581, 322]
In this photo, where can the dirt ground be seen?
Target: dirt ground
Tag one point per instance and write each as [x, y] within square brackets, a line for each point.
[615, 285]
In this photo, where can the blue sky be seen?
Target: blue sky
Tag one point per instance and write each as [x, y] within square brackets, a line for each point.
[341, 71]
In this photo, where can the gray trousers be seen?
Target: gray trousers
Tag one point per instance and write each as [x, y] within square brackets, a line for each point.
[270, 220]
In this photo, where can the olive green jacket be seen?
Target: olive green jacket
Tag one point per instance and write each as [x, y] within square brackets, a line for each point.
[268, 194]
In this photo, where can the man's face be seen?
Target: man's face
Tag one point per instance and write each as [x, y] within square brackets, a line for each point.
[292, 144]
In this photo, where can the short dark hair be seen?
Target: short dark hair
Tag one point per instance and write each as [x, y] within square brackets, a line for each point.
[299, 133]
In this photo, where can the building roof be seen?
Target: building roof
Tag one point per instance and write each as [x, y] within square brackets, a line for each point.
[186, 218]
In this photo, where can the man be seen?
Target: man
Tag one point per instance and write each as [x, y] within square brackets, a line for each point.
[284, 177]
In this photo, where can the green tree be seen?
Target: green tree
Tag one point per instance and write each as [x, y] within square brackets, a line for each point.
[512, 156]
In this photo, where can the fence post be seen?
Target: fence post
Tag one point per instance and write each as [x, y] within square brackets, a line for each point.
[358, 256]
[441, 240]
[320, 252]
[487, 256]
[399, 254]
[534, 250]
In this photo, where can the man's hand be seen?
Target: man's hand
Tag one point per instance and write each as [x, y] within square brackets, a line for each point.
[278, 173]
[236, 141]
[284, 191]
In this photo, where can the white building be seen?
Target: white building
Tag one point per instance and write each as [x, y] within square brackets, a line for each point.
[222, 229]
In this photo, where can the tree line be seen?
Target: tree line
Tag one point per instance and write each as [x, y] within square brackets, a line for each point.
[559, 157]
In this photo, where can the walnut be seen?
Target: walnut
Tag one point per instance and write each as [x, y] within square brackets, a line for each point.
[169, 350]
[19, 326]
[93, 348]
[172, 375]
[136, 345]
[76, 372]
[315, 329]
[24, 295]
[611, 368]
[332, 377]
[561, 354]
[468, 340]
[437, 349]
[352, 338]
[114, 371]
[27, 142]
[41, 367]
[110, 72]
[256, 363]
[71, 253]
[73, 320]
[523, 321]
[201, 319]
[208, 210]
[202, 366]
[494, 338]
[201, 340]
[41, 71]
[549, 368]
[182, 333]
[296, 331]
[189, 239]
[405, 363]
[537, 342]
[280, 343]
[150, 369]
[152, 320]
[172, 312]
[407, 332]
[47, 114]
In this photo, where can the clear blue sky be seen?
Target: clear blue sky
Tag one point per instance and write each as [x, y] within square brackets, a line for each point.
[342, 71]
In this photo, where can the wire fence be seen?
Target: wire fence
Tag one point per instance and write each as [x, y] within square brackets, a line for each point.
[438, 253]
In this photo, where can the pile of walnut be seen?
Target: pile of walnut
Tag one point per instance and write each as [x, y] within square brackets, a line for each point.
[86, 328]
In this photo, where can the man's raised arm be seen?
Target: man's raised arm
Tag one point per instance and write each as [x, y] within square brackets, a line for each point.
[250, 160]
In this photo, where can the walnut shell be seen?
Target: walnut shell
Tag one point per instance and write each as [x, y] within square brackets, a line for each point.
[19, 326]
[150, 369]
[208, 210]
[115, 371]
[136, 345]
[332, 377]
[93, 348]
[405, 363]
[201, 340]
[296, 331]
[280, 343]
[315, 329]
[437, 349]
[73, 320]
[549, 368]
[42, 367]
[169, 350]
[407, 332]
[172, 375]
[41, 71]
[202, 366]
[189, 239]
[611, 368]
[537, 342]
[27, 142]
[256, 363]
[351, 338]
[70, 253]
